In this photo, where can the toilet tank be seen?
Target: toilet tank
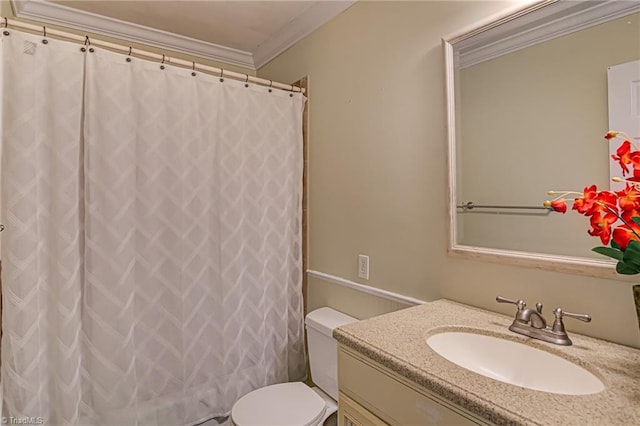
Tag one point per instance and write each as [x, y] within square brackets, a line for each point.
[323, 348]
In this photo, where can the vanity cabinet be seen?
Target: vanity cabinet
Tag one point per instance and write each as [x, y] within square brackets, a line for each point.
[373, 395]
[388, 374]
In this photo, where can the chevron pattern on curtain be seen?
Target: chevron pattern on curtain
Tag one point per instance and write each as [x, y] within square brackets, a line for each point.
[151, 261]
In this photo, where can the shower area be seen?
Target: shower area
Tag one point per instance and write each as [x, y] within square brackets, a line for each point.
[152, 250]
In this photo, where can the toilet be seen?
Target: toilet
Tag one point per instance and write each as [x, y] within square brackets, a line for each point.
[294, 403]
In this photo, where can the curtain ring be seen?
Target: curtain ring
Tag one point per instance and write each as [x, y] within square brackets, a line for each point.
[130, 49]
[162, 63]
[221, 75]
[193, 69]
[1, 227]
[86, 41]
[246, 82]
[129, 54]
[6, 22]
[44, 31]
[270, 85]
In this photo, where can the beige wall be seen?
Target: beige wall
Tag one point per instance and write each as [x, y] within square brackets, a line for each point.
[377, 171]
[532, 121]
[356, 303]
[7, 11]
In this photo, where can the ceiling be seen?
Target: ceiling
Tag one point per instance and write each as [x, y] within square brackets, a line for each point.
[238, 32]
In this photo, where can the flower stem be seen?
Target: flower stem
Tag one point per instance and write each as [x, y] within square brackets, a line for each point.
[615, 212]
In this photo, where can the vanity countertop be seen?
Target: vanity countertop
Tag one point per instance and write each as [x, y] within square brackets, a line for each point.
[398, 341]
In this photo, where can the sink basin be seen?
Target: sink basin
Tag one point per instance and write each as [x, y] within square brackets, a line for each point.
[515, 363]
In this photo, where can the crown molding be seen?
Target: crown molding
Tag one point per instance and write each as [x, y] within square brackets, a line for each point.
[543, 24]
[303, 25]
[57, 14]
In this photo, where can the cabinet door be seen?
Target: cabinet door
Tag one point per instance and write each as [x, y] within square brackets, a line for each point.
[350, 413]
[391, 398]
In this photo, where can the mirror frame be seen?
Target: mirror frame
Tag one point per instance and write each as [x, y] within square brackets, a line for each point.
[503, 33]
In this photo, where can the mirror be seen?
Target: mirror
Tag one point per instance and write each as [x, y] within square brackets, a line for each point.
[528, 106]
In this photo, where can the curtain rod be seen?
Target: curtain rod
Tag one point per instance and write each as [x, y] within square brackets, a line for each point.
[4, 22]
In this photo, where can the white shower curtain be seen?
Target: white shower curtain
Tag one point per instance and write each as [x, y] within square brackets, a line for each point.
[151, 261]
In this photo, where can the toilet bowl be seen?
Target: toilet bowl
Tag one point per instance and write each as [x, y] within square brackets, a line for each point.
[295, 403]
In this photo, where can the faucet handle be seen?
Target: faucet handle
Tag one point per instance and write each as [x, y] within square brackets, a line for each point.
[519, 303]
[558, 326]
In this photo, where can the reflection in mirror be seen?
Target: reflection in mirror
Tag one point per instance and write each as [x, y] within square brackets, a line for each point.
[528, 109]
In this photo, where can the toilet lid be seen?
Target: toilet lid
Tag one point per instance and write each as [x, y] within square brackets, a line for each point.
[283, 404]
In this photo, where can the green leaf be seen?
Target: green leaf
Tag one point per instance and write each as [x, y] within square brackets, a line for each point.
[614, 244]
[608, 251]
[626, 269]
[632, 254]
[636, 220]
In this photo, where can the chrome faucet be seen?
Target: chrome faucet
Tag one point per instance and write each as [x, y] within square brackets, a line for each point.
[530, 322]
[530, 316]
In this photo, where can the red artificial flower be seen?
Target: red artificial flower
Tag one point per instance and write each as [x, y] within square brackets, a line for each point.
[629, 198]
[557, 205]
[611, 134]
[635, 160]
[594, 201]
[628, 215]
[623, 235]
[601, 226]
[605, 209]
[585, 203]
[606, 202]
[625, 156]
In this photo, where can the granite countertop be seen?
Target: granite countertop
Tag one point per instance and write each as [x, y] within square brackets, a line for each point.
[398, 341]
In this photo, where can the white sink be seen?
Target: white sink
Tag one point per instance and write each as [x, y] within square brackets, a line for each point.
[514, 363]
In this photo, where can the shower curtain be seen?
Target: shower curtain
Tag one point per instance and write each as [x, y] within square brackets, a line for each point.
[151, 261]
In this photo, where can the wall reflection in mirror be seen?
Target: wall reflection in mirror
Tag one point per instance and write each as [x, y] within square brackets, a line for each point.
[531, 106]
